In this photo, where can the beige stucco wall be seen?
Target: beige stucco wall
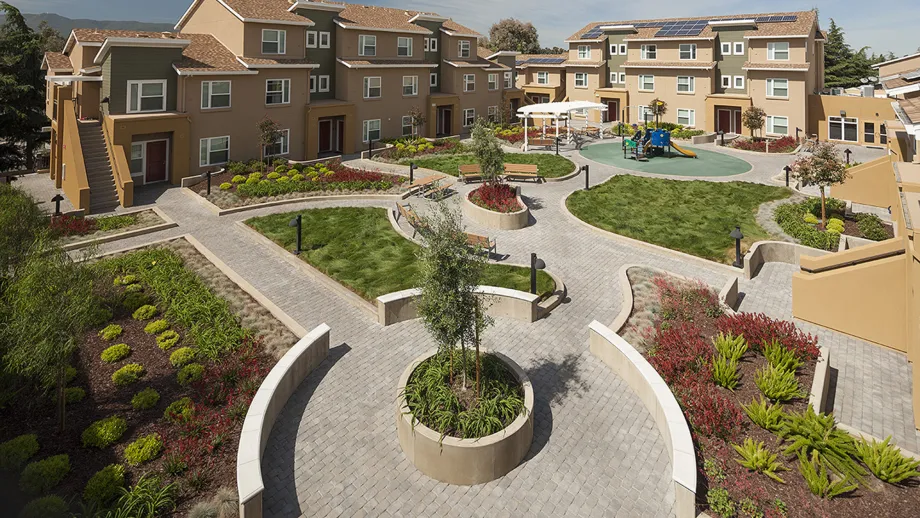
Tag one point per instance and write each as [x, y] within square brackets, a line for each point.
[666, 90]
[346, 43]
[595, 81]
[670, 50]
[899, 67]
[481, 98]
[597, 51]
[794, 107]
[73, 178]
[757, 49]
[122, 129]
[212, 18]
[450, 46]
[528, 76]
[295, 41]
[391, 105]
[865, 109]
[871, 183]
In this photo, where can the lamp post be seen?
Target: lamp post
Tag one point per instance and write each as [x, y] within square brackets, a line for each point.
[722, 136]
[297, 222]
[737, 236]
[587, 185]
[788, 170]
[412, 168]
[57, 204]
[847, 153]
[208, 176]
[535, 264]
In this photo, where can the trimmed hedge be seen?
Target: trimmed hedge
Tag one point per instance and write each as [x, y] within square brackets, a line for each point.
[145, 312]
[40, 476]
[190, 373]
[15, 452]
[104, 432]
[156, 327]
[182, 356]
[145, 399]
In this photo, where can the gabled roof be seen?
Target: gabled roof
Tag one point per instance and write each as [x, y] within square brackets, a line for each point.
[207, 56]
[57, 62]
[896, 60]
[533, 60]
[802, 26]
[386, 63]
[268, 11]
[380, 18]
[453, 28]
[98, 36]
[904, 83]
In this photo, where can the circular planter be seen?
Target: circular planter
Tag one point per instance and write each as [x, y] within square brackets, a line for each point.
[497, 220]
[464, 461]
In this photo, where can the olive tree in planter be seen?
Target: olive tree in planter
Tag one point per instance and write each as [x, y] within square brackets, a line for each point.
[823, 167]
[487, 148]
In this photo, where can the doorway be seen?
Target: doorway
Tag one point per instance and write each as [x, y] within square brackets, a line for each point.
[613, 111]
[515, 106]
[729, 120]
[150, 160]
[331, 136]
[445, 121]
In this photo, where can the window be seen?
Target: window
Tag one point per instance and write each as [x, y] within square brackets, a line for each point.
[739, 48]
[433, 79]
[493, 113]
[325, 39]
[686, 117]
[542, 78]
[323, 83]
[645, 114]
[404, 47]
[311, 39]
[372, 88]
[410, 85]
[622, 49]
[426, 44]
[726, 48]
[613, 49]
[778, 51]
[278, 91]
[273, 41]
[843, 128]
[433, 44]
[584, 52]
[739, 82]
[622, 78]
[367, 45]
[869, 132]
[371, 130]
[407, 127]
[686, 84]
[647, 83]
[509, 80]
[778, 125]
[463, 49]
[613, 78]
[137, 158]
[493, 81]
[214, 151]
[778, 88]
[215, 94]
[581, 80]
[281, 146]
[146, 96]
[312, 84]
[649, 51]
[726, 81]
[687, 51]
[469, 117]
[469, 82]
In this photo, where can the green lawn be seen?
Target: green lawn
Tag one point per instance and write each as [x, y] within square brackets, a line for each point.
[695, 217]
[360, 249]
[550, 166]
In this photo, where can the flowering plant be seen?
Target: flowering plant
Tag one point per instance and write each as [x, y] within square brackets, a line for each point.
[496, 196]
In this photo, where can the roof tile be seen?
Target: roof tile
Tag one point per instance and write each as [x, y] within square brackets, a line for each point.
[58, 61]
[206, 54]
[265, 10]
[777, 66]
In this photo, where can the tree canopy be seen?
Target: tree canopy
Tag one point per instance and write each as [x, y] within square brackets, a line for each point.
[513, 34]
[844, 67]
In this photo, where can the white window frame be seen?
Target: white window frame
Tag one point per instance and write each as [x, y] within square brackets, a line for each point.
[691, 51]
[738, 83]
[325, 39]
[492, 113]
[469, 82]
[207, 101]
[584, 52]
[622, 78]
[280, 41]
[313, 84]
[544, 76]
[493, 82]
[690, 116]
[622, 49]
[509, 80]
[433, 45]
[368, 87]
[463, 49]
[426, 44]
[726, 81]
[469, 117]
[409, 125]
[413, 86]
[324, 84]
[366, 129]
[206, 144]
[690, 84]
[772, 51]
[284, 144]
[614, 78]
[581, 80]
[649, 52]
[738, 48]
[771, 87]
[365, 42]
[643, 80]
[141, 96]
[613, 49]
[285, 91]
[400, 41]
[641, 112]
[433, 79]
[844, 122]
[312, 35]
[771, 125]
[726, 48]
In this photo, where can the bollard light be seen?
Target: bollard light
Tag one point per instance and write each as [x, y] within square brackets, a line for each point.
[297, 222]
[788, 170]
[57, 204]
[208, 176]
[847, 153]
[412, 168]
[535, 264]
[585, 167]
[737, 236]
[557, 144]
[722, 135]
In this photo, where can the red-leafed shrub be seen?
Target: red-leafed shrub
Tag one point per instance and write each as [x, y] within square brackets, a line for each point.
[781, 145]
[72, 225]
[685, 301]
[758, 329]
[679, 352]
[496, 196]
[709, 412]
[518, 136]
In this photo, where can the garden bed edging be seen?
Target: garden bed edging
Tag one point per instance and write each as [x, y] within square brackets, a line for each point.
[497, 220]
[167, 223]
[400, 306]
[763, 252]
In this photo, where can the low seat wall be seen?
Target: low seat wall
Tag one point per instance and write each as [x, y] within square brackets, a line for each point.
[497, 220]
[400, 306]
[776, 252]
[284, 378]
[645, 381]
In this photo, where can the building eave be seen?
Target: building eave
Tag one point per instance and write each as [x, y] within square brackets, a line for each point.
[457, 34]
[428, 18]
[421, 30]
[67, 79]
[504, 53]
[408, 64]
[584, 41]
[317, 6]
[304, 23]
[138, 42]
[901, 90]
[276, 65]
[190, 73]
[681, 38]
[776, 37]
[896, 60]
[467, 65]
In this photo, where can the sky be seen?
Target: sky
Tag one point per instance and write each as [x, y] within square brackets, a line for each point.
[883, 30]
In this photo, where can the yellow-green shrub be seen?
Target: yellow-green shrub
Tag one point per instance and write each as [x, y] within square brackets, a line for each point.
[110, 332]
[156, 327]
[145, 312]
[74, 395]
[238, 179]
[114, 353]
[179, 410]
[50, 506]
[105, 485]
[189, 373]
[15, 452]
[147, 398]
[40, 476]
[127, 374]
[182, 356]
[167, 339]
[144, 449]
[104, 432]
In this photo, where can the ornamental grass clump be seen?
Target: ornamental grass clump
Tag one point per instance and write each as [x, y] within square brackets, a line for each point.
[40, 476]
[816, 477]
[731, 347]
[780, 357]
[128, 374]
[768, 416]
[886, 461]
[115, 353]
[15, 452]
[105, 485]
[725, 372]
[104, 432]
[143, 450]
[778, 384]
[756, 457]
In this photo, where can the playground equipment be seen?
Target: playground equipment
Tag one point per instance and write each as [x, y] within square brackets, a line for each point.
[653, 143]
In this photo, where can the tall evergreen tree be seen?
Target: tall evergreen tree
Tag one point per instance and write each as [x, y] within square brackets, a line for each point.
[844, 67]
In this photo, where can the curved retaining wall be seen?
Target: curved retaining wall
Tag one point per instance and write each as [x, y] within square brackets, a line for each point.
[400, 306]
[497, 220]
[465, 461]
[645, 381]
[271, 397]
[776, 252]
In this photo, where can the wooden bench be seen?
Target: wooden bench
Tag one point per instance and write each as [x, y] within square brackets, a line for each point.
[439, 188]
[522, 172]
[411, 217]
[470, 172]
[481, 242]
[542, 142]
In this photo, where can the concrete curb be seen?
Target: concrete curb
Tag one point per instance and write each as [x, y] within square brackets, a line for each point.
[817, 398]
[347, 197]
[167, 223]
[858, 433]
[497, 220]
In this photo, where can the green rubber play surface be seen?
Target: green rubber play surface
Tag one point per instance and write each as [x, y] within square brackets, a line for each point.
[709, 163]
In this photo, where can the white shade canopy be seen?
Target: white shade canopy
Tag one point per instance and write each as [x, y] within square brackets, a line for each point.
[558, 109]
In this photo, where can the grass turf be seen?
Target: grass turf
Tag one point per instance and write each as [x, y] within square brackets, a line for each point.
[695, 217]
[360, 249]
[550, 166]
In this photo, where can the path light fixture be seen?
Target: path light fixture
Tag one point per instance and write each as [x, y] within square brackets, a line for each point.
[737, 236]
[57, 204]
[298, 222]
[535, 264]
[847, 153]
[722, 136]
[788, 170]
[585, 168]
[412, 168]
[208, 176]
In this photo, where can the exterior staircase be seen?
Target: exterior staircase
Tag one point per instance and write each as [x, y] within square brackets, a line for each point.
[102, 194]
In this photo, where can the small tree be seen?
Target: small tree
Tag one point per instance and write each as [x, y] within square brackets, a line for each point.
[487, 149]
[824, 168]
[22, 222]
[269, 134]
[753, 119]
[657, 108]
[418, 119]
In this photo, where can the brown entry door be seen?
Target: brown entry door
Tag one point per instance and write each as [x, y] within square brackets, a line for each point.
[156, 162]
[340, 136]
[725, 121]
[613, 111]
[325, 136]
[737, 127]
[446, 123]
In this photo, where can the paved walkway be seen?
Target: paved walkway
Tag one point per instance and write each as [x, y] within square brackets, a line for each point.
[596, 450]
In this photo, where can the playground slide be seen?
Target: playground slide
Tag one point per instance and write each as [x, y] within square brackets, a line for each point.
[685, 152]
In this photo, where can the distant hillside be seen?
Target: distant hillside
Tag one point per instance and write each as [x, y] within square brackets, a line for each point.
[65, 25]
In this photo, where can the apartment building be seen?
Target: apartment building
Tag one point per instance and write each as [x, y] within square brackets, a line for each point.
[707, 69]
[336, 77]
[541, 77]
[901, 80]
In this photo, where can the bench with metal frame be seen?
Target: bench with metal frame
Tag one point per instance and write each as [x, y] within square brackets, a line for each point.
[523, 172]
[481, 242]
[470, 172]
[410, 216]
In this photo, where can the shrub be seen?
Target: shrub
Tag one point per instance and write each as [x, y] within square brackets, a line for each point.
[678, 351]
[110, 332]
[283, 179]
[238, 168]
[273, 176]
[760, 330]
[40, 476]
[144, 449]
[780, 357]
[238, 179]
[777, 384]
[104, 432]
[811, 219]
[51, 506]
[709, 412]
[114, 353]
[74, 395]
[128, 374]
[226, 186]
[731, 347]
[70, 373]
[167, 339]
[15, 452]
[297, 178]
[885, 460]
[720, 502]
[768, 416]
[190, 373]
[134, 300]
[174, 464]
[255, 176]
[156, 327]
[105, 485]
[725, 372]
[145, 399]
[182, 356]
[798, 222]
[755, 457]
[180, 410]
[808, 433]
[871, 227]
[815, 475]
[251, 181]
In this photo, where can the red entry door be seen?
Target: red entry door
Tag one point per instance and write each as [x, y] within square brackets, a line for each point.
[737, 127]
[613, 111]
[340, 136]
[156, 162]
[325, 136]
[725, 121]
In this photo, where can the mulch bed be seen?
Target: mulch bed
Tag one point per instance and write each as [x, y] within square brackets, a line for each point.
[851, 228]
